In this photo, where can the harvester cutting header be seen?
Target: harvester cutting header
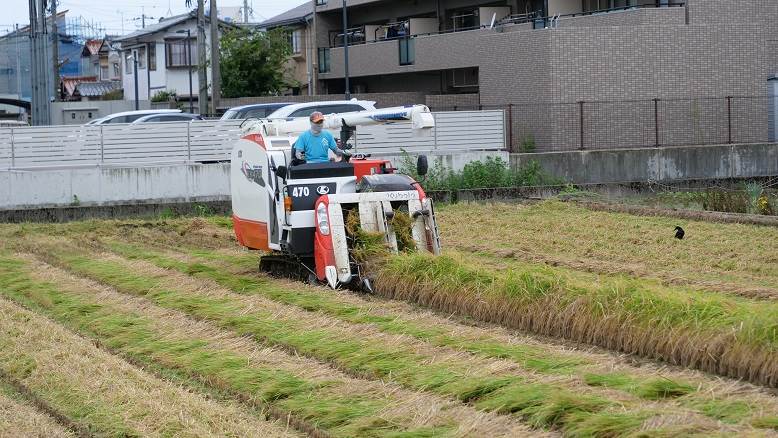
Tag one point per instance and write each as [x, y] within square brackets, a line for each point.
[297, 210]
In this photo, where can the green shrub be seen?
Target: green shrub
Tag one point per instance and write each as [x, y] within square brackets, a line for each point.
[494, 172]
[528, 144]
[164, 96]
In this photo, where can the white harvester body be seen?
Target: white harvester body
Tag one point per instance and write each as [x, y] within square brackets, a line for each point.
[296, 211]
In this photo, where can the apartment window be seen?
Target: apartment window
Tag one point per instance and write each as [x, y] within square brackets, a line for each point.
[407, 51]
[176, 53]
[116, 71]
[295, 41]
[324, 60]
[153, 57]
[104, 73]
[128, 63]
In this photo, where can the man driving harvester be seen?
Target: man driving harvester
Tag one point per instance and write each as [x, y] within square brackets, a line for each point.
[314, 145]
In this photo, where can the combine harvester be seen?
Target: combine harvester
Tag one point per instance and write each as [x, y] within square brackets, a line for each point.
[296, 211]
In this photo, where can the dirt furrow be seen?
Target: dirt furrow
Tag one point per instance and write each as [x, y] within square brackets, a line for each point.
[24, 415]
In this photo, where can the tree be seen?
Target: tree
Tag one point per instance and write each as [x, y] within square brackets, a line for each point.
[253, 62]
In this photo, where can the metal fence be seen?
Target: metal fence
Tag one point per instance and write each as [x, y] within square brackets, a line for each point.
[550, 127]
[211, 141]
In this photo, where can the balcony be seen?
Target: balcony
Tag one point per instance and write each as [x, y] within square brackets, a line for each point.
[439, 51]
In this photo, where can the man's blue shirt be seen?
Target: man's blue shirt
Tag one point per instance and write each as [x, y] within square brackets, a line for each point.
[316, 146]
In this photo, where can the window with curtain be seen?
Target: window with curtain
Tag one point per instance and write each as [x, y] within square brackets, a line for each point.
[176, 53]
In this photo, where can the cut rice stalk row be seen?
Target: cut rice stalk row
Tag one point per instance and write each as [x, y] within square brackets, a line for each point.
[102, 395]
[333, 405]
[707, 396]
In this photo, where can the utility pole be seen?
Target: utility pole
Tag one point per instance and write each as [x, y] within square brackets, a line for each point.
[216, 91]
[55, 50]
[202, 74]
[135, 77]
[41, 105]
[245, 11]
[345, 49]
[18, 64]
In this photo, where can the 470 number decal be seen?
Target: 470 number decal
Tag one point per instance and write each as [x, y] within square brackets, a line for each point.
[301, 192]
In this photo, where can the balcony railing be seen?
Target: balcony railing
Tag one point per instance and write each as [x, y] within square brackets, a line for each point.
[401, 29]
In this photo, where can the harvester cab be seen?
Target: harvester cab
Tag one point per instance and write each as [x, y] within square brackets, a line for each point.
[303, 214]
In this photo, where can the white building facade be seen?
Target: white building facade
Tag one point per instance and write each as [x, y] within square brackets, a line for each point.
[164, 62]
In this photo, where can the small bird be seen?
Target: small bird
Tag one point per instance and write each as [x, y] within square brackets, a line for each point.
[679, 233]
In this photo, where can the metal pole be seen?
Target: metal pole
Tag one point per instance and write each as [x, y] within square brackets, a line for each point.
[729, 119]
[55, 49]
[135, 75]
[245, 11]
[510, 127]
[189, 68]
[345, 49]
[202, 75]
[216, 86]
[656, 122]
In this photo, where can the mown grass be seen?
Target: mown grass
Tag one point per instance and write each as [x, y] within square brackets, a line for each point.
[731, 257]
[319, 404]
[530, 357]
[716, 333]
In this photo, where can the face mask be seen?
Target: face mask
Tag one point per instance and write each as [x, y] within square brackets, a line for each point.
[316, 129]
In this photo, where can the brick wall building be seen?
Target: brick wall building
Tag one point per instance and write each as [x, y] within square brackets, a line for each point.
[545, 57]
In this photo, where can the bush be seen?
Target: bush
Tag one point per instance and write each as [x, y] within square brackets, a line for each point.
[164, 96]
[494, 172]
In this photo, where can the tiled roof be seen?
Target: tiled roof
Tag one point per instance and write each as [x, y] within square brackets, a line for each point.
[69, 83]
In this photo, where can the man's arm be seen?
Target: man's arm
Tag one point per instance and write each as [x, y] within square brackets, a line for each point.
[334, 147]
[299, 147]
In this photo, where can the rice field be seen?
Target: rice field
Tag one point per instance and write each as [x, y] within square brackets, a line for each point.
[556, 321]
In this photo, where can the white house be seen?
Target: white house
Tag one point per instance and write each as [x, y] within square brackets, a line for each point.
[163, 59]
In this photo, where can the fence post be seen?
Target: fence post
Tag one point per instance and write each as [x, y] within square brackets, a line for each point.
[510, 127]
[729, 119]
[102, 146]
[189, 142]
[581, 123]
[656, 122]
[13, 152]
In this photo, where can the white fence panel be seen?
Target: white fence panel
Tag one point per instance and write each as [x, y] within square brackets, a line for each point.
[5, 147]
[206, 141]
[213, 141]
[56, 146]
[145, 143]
[454, 131]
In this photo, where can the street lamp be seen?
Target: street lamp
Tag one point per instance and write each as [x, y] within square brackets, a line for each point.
[134, 58]
[189, 65]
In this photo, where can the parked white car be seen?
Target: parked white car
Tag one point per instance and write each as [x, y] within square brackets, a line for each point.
[129, 116]
[331, 107]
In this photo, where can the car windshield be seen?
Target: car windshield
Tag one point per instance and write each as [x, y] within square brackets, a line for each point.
[230, 114]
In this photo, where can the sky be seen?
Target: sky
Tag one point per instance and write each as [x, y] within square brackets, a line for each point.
[123, 16]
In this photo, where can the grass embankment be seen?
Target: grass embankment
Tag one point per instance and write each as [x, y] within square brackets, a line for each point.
[322, 406]
[97, 394]
[742, 259]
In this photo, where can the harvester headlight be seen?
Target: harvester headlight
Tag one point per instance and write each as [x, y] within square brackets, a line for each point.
[322, 219]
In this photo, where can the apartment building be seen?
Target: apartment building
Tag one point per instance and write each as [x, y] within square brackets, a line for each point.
[525, 52]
